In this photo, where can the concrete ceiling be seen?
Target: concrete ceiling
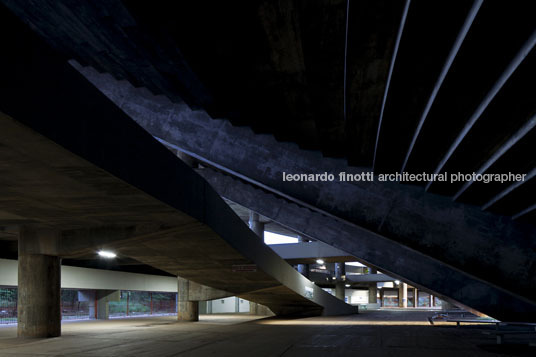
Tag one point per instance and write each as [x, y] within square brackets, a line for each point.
[79, 175]
[398, 88]
[293, 69]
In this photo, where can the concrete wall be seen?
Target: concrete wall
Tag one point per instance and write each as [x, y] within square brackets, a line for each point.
[226, 305]
[243, 305]
[357, 296]
[229, 305]
[83, 278]
[352, 296]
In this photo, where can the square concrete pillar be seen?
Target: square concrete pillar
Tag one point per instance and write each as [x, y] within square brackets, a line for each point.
[186, 310]
[403, 295]
[373, 293]
[98, 302]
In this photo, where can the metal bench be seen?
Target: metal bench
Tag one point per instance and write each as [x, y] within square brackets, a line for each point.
[474, 321]
[500, 334]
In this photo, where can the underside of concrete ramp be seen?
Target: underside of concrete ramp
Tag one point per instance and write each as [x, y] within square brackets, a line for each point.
[257, 91]
[463, 248]
[78, 174]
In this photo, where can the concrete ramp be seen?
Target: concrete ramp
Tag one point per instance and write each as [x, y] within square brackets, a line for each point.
[72, 162]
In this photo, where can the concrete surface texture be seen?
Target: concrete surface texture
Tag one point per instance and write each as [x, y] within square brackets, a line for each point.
[376, 250]
[277, 77]
[114, 186]
[405, 217]
[373, 333]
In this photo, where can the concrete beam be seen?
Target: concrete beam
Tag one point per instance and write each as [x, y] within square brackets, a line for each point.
[403, 213]
[369, 278]
[390, 75]
[199, 292]
[375, 250]
[510, 188]
[71, 171]
[501, 81]
[520, 134]
[84, 278]
[450, 58]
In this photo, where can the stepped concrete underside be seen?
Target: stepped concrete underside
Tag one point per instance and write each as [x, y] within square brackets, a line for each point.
[77, 170]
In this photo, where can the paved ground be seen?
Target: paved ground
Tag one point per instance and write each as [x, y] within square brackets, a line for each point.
[372, 333]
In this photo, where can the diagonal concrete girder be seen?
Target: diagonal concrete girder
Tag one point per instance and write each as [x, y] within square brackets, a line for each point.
[492, 248]
[373, 249]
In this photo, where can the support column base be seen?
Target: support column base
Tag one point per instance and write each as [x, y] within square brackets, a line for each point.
[39, 296]
[188, 311]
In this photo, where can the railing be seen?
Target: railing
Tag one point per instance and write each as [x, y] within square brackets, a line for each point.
[8, 305]
[141, 303]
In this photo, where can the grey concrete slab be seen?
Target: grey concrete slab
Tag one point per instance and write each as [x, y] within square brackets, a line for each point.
[494, 249]
[372, 333]
[76, 165]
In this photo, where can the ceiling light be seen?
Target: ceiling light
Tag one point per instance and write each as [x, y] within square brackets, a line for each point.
[106, 254]
[347, 285]
[397, 282]
[319, 261]
[333, 278]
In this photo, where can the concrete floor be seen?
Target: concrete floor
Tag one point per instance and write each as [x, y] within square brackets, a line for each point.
[372, 333]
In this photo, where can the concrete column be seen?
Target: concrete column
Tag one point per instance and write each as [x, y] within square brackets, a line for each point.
[373, 293]
[186, 310]
[258, 309]
[403, 295]
[98, 302]
[340, 276]
[39, 296]
[253, 308]
[339, 290]
[303, 269]
[415, 297]
[340, 271]
[39, 278]
[382, 293]
[255, 225]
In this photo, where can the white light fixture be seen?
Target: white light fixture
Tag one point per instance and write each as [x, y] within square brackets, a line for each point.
[319, 261]
[347, 285]
[106, 254]
[333, 278]
[323, 267]
[397, 282]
